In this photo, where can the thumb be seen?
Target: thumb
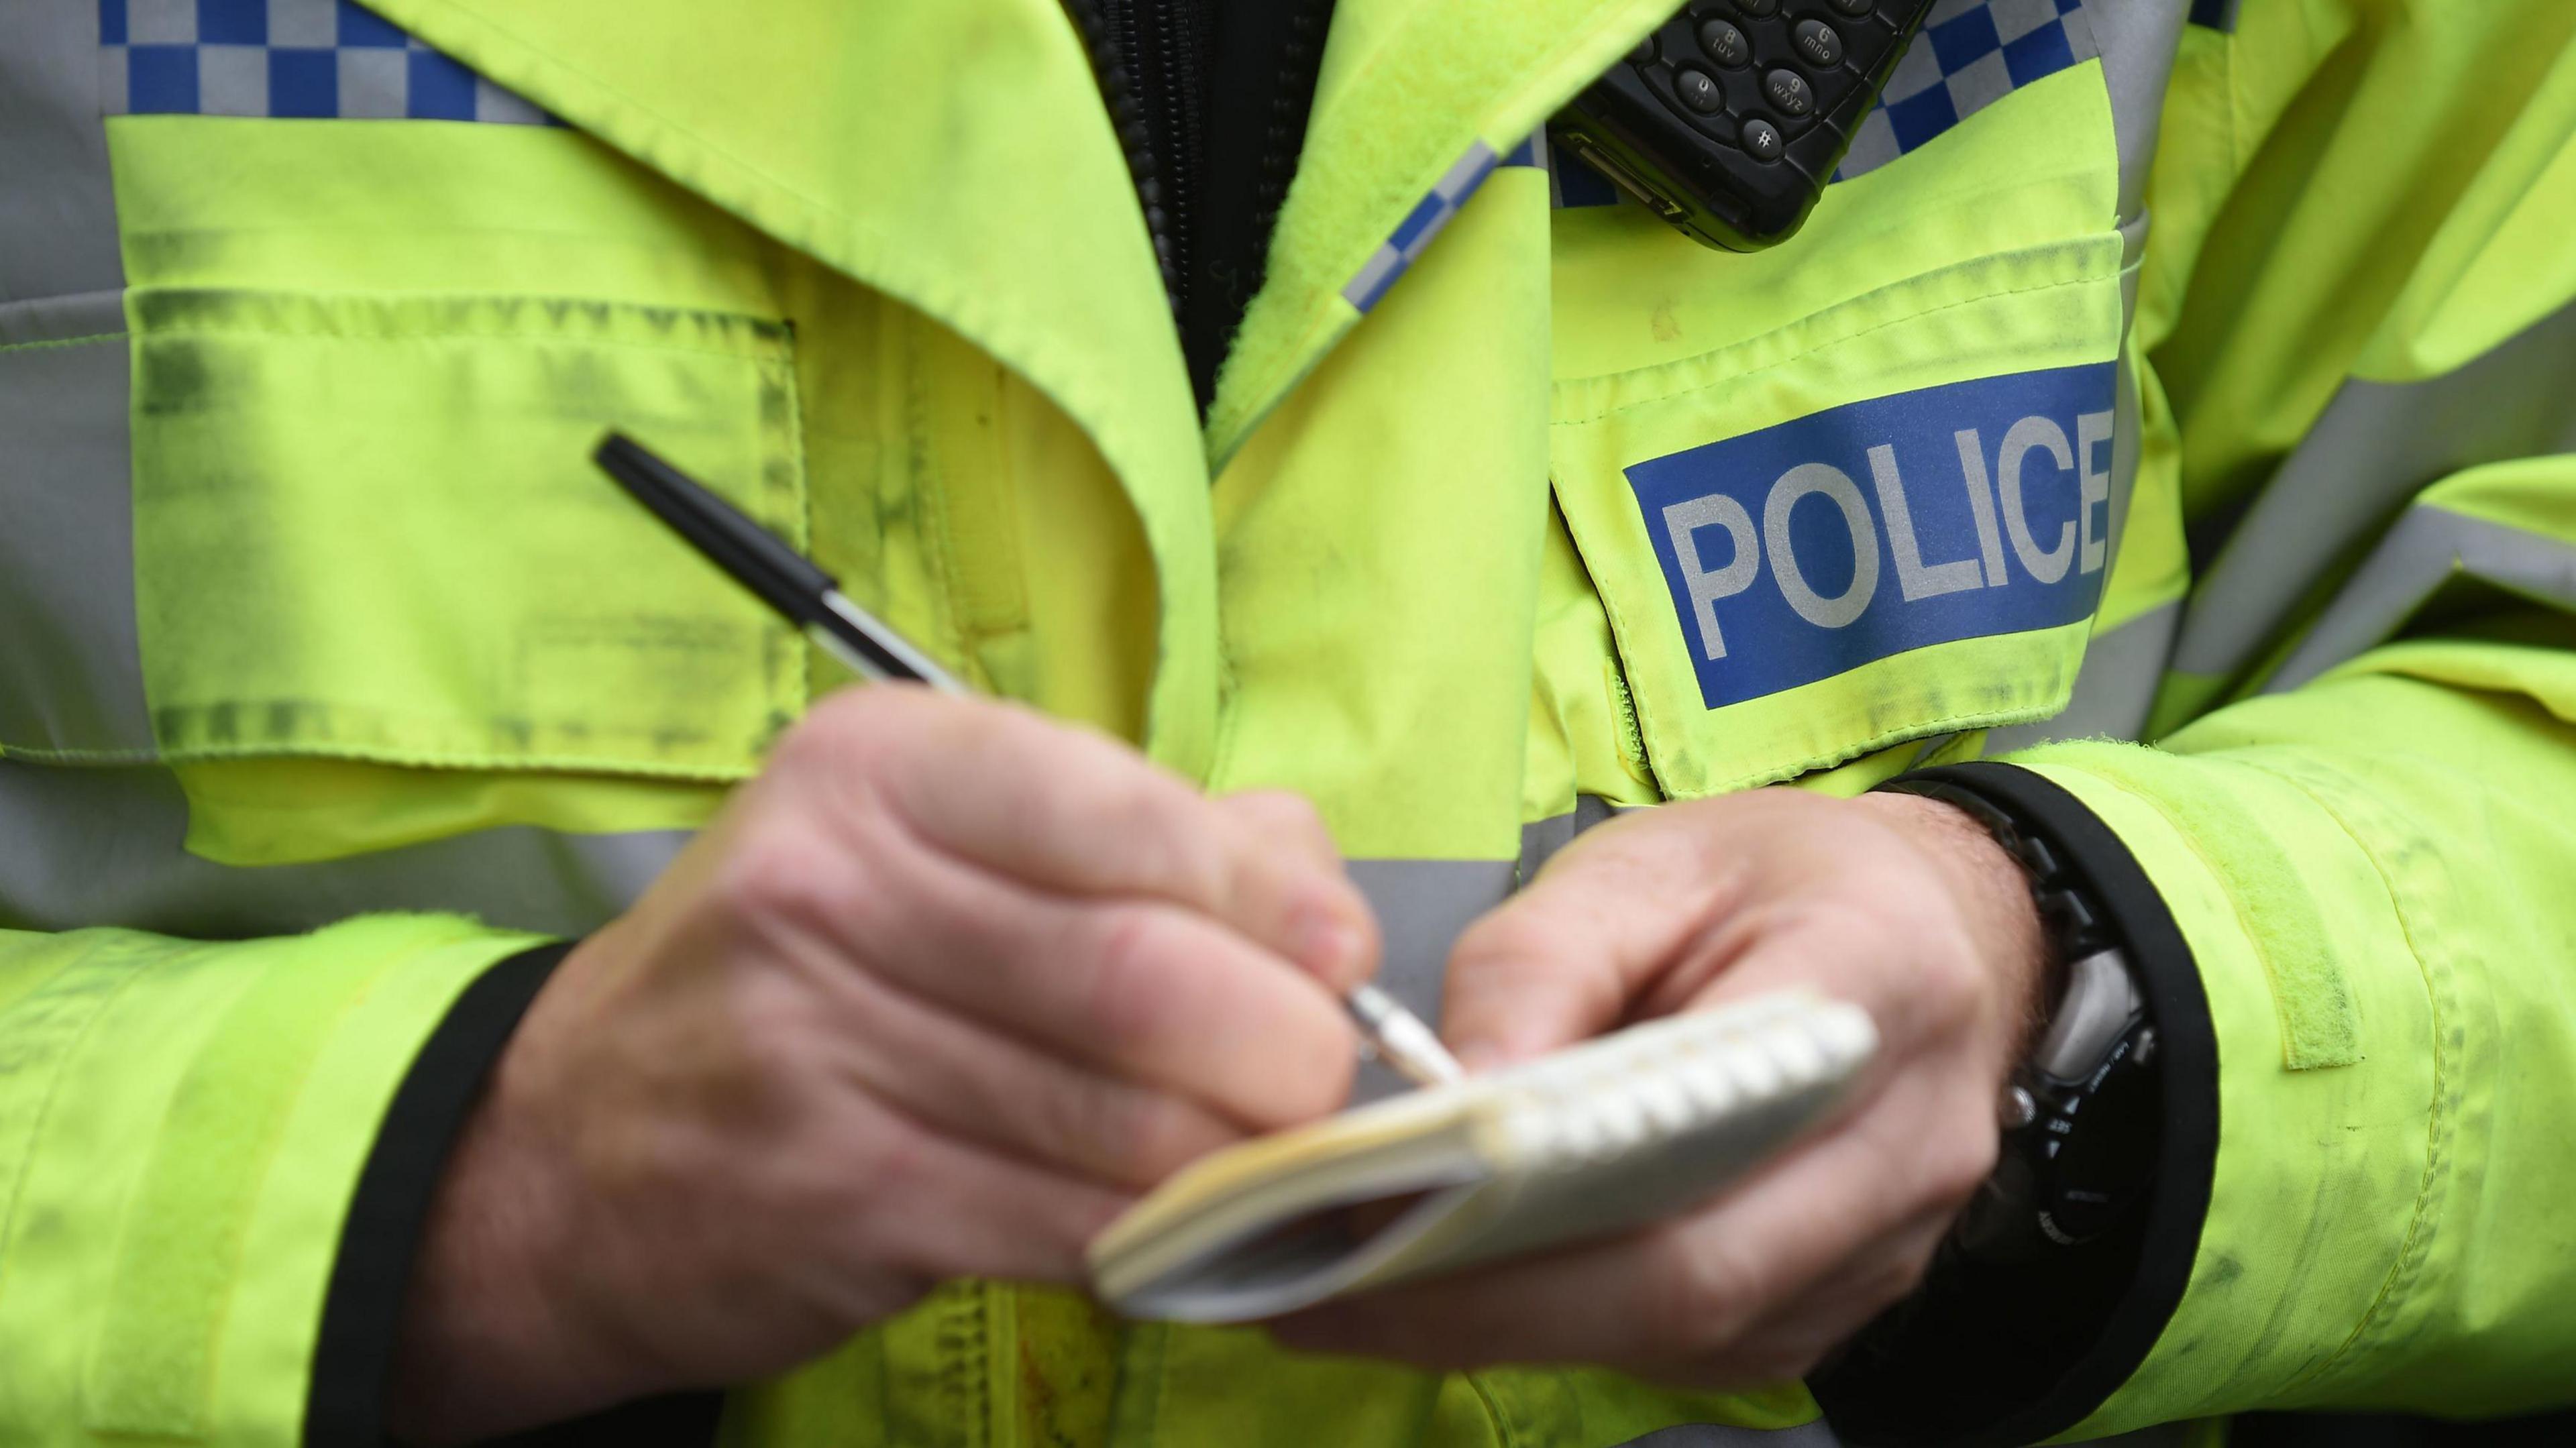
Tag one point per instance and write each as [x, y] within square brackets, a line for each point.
[1563, 960]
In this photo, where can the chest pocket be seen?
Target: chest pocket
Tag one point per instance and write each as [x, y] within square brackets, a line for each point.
[369, 366]
[1856, 489]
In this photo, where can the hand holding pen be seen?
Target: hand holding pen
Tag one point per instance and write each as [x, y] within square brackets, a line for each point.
[803, 594]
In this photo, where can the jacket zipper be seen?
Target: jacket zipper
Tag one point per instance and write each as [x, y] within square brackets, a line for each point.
[1149, 57]
[1209, 99]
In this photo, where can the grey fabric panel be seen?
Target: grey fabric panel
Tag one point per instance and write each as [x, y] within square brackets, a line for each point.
[1541, 840]
[2417, 556]
[2376, 446]
[104, 846]
[2137, 39]
[1421, 906]
[71, 677]
[2113, 693]
[66, 318]
[57, 209]
[1818, 1434]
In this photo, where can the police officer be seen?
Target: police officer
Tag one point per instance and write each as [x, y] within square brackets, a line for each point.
[471, 969]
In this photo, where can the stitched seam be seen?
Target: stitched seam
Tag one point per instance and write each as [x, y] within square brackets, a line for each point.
[466, 759]
[47, 754]
[2437, 1127]
[1917, 730]
[791, 383]
[90, 340]
[455, 334]
[1808, 351]
[1504, 1437]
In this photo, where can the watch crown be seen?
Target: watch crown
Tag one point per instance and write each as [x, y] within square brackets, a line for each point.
[2017, 1109]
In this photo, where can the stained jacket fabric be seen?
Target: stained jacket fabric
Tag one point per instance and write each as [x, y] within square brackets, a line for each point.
[2187, 374]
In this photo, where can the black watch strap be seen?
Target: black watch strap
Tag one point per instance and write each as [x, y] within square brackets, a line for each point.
[2080, 1116]
[1996, 1352]
[2067, 911]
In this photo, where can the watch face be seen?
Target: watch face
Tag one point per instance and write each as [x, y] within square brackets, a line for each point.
[2099, 1142]
[2078, 1163]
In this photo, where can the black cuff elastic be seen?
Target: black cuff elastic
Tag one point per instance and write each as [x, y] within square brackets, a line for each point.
[362, 1309]
[1997, 1355]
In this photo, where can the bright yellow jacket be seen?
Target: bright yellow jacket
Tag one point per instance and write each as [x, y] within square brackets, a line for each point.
[2157, 372]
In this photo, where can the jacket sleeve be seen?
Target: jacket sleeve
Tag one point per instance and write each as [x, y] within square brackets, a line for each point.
[2350, 905]
[214, 1159]
[2372, 875]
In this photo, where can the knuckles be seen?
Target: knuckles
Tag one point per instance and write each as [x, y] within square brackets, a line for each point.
[1135, 1000]
[777, 874]
[1700, 1307]
[1159, 825]
[1134, 1137]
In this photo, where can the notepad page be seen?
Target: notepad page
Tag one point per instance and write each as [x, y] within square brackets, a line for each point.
[1584, 1142]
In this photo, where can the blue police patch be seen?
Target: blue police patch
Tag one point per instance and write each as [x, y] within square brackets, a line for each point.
[1811, 548]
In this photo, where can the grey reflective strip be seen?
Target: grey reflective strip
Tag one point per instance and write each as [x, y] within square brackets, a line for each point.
[2125, 428]
[2114, 692]
[2416, 557]
[2377, 445]
[2137, 40]
[57, 209]
[1421, 906]
[103, 846]
[1817, 1434]
[71, 676]
[1542, 839]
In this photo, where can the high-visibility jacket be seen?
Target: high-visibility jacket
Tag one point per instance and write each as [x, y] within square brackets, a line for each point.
[2183, 372]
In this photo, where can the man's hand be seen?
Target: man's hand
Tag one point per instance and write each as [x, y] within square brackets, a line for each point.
[932, 998]
[1901, 905]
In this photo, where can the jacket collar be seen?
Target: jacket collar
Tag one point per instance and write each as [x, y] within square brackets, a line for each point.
[956, 156]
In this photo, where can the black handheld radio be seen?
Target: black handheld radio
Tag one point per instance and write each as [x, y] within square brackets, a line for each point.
[1729, 118]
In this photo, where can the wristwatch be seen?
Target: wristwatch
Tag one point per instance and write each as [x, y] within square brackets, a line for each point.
[2081, 1116]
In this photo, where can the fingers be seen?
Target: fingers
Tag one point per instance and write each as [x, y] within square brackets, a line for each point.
[963, 1081]
[1790, 1343]
[950, 1209]
[1148, 992]
[1671, 1300]
[1077, 813]
[1340, 945]
[1560, 961]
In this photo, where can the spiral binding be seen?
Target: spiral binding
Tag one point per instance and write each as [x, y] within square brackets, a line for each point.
[1666, 1079]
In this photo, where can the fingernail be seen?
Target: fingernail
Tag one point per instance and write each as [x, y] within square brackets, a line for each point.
[1326, 944]
[1480, 1056]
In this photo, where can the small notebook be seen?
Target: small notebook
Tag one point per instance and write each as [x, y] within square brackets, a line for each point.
[1585, 1142]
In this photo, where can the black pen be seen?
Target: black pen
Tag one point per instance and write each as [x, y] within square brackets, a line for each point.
[778, 575]
[811, 599]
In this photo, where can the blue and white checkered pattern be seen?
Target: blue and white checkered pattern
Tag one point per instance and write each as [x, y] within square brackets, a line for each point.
[285, 58]
[1970, 54]
[1421, 224]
